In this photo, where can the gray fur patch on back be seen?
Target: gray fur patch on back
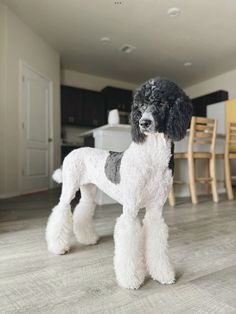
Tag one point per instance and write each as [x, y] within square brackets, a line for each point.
[112, 167]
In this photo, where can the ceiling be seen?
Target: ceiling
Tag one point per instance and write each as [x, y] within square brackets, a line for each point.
[204, 34]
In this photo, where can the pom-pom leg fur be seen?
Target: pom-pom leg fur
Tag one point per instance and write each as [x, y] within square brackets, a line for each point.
[129, 252]
[59, 229]
[156, 245]
[59, 226]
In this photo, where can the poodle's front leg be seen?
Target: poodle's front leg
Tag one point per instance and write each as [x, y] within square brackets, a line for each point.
[129, 250]
[156, 245]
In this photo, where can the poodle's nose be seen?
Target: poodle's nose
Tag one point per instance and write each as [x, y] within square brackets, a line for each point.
[145, 123]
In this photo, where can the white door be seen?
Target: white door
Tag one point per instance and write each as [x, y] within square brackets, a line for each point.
[35, 139]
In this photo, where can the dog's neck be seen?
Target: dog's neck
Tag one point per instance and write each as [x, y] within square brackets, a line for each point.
[156, 148]
[155, 140]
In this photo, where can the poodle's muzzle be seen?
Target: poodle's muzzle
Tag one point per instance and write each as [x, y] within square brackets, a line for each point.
[147, 123]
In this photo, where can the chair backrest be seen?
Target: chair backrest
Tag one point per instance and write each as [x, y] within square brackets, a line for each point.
[230, 141]
[202, 131]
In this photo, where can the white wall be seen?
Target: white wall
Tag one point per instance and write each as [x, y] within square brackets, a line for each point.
[2, 92]
[226, 81]
[77, 79]
[21, 43]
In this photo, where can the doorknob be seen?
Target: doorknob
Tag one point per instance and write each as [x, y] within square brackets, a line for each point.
[50, 140]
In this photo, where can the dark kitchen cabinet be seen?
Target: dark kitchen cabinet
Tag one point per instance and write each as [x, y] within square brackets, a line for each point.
[199, 107]
[82, 107]
[117, 98]
[71, 105]
[200, 103]
[94, 113]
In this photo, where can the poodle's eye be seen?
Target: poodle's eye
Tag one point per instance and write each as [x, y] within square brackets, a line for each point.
[143, 108]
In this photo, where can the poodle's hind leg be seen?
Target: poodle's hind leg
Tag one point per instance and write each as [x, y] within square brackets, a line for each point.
[83, 216]
[59, 226]
[156, 245]
[129, 250]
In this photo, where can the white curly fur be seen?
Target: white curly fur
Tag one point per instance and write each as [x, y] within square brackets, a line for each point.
[157, 261]
[129, 258]
[57, 176]
[59, 229]
[82, 224]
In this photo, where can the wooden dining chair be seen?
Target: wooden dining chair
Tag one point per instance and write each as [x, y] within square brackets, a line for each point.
[230, 154]
[202, 132]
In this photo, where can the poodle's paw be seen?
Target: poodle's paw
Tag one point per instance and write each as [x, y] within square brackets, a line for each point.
[58, 249]
[131, 282]
[168, 280]
[165, 276]
[86, 236]
[91, 240]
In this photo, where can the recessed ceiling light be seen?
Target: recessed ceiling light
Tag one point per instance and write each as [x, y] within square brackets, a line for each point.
[127, 48]
[173, 12]
[105, 40]
[188, 64]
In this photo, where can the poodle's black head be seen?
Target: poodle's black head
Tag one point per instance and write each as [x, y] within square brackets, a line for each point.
[160, 106]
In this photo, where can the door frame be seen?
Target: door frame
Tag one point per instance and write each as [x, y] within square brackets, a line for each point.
[22, 65]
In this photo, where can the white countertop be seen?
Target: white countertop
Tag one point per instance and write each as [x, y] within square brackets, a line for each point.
[110, 128]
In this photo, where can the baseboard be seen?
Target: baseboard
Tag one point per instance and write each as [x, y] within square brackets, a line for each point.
[8, 195]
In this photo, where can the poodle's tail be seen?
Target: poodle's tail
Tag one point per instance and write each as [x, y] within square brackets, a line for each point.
[57, 175]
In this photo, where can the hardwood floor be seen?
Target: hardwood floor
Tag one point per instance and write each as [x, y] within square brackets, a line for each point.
[202, 247]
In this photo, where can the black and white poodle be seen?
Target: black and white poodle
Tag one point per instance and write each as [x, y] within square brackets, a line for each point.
[137, 178]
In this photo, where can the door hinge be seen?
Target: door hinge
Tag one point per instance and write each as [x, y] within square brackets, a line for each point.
[23, 78]
[22, 172]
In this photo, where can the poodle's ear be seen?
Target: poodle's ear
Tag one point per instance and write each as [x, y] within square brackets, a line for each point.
[179, 117]
[136, 134]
